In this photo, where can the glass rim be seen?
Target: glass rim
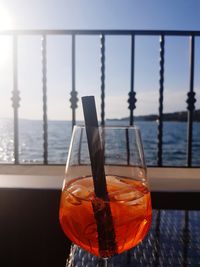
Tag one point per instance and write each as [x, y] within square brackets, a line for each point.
[134, 127]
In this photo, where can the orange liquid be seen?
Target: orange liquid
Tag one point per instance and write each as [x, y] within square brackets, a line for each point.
[130, 205]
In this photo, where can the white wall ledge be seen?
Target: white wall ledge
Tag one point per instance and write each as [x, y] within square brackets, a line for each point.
[162, 179]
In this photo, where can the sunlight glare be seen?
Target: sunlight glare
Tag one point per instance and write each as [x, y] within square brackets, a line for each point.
[5, 19]
[5, 41]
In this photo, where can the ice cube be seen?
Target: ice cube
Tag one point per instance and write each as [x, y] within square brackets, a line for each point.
[138, 201]
[79, 191]
[69, 198]
[127, 195]
[115, 182]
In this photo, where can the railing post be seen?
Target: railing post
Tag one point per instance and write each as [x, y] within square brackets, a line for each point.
[44, 90]
[74, 93]
[132, 99]
[102, 47]
[190, 101]
[15, 100]
[161, 90]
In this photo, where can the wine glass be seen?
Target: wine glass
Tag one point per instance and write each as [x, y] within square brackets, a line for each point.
[109, 226]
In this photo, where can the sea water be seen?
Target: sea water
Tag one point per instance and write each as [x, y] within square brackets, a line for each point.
[59, 135]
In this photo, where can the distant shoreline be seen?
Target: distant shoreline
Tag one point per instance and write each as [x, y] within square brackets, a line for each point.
[174, 116]
[180, 116]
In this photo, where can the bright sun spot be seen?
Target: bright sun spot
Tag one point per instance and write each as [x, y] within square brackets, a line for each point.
[5, 19]
[5, 41]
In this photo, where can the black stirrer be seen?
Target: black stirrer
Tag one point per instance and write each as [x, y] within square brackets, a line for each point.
[102, 213]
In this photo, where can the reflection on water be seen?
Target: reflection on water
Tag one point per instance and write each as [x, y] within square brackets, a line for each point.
[59, 134]
[6, 141]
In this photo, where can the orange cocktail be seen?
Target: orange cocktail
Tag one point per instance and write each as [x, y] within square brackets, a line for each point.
[130, 204]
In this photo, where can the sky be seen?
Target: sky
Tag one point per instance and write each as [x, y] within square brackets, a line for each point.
[93, 14]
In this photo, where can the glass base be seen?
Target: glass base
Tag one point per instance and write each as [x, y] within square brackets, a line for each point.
[81, 258]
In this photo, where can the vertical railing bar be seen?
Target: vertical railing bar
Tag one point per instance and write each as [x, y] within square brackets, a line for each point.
[103, 141]
[74, 98]
[44, 91]
[102, 47]
[80, 146]
[161, 90]
[191, 101]
[127, 146]
[15, 99]
[131, 95]
[132, 76]
[73, 80]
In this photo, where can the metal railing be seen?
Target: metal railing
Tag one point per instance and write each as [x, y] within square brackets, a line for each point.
[131, 98]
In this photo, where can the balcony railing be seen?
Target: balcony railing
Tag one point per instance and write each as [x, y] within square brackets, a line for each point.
[132, 95]
[38, 209]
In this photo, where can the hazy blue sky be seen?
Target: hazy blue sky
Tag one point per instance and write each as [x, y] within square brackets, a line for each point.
[102, 14]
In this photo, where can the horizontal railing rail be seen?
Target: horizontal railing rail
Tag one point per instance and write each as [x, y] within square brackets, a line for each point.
[131, 98]
[99, 31]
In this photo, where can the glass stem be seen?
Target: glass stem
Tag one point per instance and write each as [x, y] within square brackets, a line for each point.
[103, 263]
